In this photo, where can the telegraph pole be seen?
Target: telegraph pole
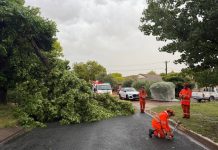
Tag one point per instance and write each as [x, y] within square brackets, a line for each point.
[166, 66]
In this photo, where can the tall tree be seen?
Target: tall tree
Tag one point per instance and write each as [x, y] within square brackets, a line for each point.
[189, 26]
[118, 78]
[207, 78]
[107, 78]
[89, 70]
[25, 37]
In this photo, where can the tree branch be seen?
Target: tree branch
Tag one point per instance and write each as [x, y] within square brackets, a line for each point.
[42, 58]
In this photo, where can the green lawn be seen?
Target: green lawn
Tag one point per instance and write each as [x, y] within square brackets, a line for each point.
[6, 116]
[204, 118]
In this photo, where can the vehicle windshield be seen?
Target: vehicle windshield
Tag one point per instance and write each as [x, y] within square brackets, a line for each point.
[129, 89]
[104, 87]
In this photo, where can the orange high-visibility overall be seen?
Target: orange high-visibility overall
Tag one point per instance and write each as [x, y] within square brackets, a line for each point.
[142, 96]
[160, 124]
[185, 94]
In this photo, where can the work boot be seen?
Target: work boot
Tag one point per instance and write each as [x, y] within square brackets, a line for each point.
[151, 132]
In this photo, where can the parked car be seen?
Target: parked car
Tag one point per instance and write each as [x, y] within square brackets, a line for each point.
[101, 88]
[128, 93]
[206, 94]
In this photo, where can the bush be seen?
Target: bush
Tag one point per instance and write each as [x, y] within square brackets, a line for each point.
[128, 83]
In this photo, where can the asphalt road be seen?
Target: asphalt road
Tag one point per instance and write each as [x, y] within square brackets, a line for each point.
[121, 133]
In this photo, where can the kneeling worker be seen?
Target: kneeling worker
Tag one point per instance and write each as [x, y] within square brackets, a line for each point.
[160, 125]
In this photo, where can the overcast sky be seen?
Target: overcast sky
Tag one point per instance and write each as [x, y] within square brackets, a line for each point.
[106, 31]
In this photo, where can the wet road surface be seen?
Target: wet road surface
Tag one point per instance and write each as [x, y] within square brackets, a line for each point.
[120, 133]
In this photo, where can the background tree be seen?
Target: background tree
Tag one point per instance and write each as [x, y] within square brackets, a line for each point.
[178, 79]
[189, 27]
[25, 38]
[118, 78]
[206, 78]
[152, 73]
[89, 70]
[203, 78]
[107, 78]
[127, 82]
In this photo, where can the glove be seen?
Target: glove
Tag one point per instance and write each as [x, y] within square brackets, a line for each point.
[169, 136]
[172, 135]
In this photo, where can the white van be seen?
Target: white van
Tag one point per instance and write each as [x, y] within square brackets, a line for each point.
[102, 88]
[208, 93]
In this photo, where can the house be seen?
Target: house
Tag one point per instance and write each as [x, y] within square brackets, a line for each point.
[149, 77]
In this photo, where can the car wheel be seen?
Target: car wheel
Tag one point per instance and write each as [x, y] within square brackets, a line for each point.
[211, 98]
[199, 100]
[120, 96]
[127, 97]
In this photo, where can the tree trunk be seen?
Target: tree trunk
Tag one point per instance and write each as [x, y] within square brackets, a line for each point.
[3, 95]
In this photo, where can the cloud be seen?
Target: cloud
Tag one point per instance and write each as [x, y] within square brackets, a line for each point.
[105, 31]
[101, 2]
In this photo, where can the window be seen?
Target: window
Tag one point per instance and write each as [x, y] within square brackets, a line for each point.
[103, 87]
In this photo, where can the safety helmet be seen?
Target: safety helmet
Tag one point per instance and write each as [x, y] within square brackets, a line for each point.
[171, 112]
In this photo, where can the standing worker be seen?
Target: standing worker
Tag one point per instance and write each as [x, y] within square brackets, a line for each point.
[142, 96]
[185, 95]
[160, 125]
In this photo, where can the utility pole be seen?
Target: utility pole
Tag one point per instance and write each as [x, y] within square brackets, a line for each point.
[166, 66]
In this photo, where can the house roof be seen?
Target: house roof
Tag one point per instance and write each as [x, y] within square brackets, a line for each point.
[150, 77]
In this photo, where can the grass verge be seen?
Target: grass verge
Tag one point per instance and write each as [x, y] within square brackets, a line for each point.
[6, 116]
[204, 118]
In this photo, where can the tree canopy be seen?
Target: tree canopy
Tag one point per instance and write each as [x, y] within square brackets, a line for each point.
[89, 70]
[107, 78]
[25, 39]
[205, 78]
[188, 26]
[118, 78]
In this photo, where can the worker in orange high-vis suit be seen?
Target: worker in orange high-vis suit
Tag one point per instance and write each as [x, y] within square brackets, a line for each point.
[142, 96]
[185, 95]
[160, 125]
